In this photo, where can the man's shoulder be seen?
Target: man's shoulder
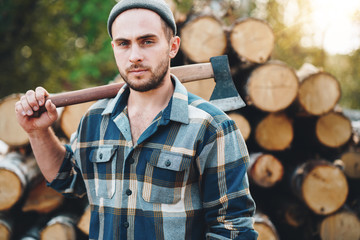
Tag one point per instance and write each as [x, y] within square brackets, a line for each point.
[204, 109]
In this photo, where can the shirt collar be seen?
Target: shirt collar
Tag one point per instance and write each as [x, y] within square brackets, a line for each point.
[178, 105]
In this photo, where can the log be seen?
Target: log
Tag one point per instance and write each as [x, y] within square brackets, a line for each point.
[42, 199]
[10, 131]
[252, 39]
[333, 130]
[351, 161]
[59, 228]
[17, 174]
[265, 170]
[84, 222]
[203, 37]
[242, 123]
[344, 225]
[71, 116]
[322, 186]
[319, 92]
[272, 87]
[6, 226]
[265, 227]
[274, 132]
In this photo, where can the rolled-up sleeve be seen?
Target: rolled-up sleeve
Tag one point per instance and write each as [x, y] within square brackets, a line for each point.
[68, 180]
[229, 207]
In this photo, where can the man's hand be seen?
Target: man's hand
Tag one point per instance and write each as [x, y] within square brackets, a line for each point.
[30, 103]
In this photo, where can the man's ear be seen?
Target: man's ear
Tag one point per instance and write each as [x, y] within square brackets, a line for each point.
[174, 46]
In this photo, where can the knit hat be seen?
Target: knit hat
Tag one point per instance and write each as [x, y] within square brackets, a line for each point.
[158, 6]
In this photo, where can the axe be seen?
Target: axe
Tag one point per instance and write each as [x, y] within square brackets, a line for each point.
[224, 96]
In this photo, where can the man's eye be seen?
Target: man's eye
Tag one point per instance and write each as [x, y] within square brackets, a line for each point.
[147, 42]
[122, 44]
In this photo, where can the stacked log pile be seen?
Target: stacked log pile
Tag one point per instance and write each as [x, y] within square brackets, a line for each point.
[304, 150]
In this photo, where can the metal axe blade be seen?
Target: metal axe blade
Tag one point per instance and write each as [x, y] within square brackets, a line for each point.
[225, 96]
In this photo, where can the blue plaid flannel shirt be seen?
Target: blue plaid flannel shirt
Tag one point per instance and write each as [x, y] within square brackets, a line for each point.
[184, 179]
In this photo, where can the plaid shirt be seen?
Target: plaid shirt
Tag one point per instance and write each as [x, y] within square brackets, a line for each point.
[185, 178]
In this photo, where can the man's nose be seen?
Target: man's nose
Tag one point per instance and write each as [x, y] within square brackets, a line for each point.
[136, 54]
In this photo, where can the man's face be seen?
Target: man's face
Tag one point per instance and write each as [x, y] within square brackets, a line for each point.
[141, 49]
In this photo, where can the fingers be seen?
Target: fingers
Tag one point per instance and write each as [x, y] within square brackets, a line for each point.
[31, 101]
[51, 110]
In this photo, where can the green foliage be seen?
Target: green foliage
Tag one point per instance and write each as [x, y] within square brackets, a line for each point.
[60, 45]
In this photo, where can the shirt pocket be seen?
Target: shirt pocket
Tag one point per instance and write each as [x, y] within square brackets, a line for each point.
[165, 176]
[104, 164]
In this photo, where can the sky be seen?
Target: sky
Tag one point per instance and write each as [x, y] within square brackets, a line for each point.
[331, 24]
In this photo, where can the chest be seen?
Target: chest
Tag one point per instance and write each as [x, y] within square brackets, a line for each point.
[139, 122]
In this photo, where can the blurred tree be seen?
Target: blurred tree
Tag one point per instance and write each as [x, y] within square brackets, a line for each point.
[60, 45]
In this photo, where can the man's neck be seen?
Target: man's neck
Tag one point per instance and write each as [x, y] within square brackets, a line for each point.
[156, 99]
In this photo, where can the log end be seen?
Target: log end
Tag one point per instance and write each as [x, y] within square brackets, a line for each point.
[275, 132]
[5, 233]
[342, 225]
[333, 130]
[319, 93]
[84, 222]
[266, 171]
[324, 189]
[58, 231]
[11, 189]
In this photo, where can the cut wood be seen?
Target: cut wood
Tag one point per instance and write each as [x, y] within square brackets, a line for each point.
[274, 132]
[272, 87]
[17, 173]
[351, 162]
[322, 186]
[10, 131]
[242, 123]
[253, 40]
[71, 116]
[319, 93]
[265, 169]
[59, 228]
[202, 38]
[333, 130]
[84, 222]
[42, 199]
[6, 226]
[344, 225]
[265, 227]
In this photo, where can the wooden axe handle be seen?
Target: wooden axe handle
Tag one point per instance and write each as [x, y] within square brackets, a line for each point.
[186, 73]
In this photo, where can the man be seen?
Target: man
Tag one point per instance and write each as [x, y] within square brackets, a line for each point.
[156, 162]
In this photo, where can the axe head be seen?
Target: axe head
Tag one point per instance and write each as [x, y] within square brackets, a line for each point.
[225, 96]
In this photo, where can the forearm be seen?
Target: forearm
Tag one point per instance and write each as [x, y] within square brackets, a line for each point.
[48, 151]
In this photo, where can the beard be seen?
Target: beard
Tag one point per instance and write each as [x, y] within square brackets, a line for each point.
[143, 85]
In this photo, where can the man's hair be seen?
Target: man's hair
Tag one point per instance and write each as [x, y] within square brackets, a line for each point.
[168, 32]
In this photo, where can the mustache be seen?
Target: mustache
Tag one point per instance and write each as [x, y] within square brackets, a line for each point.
[136, 67]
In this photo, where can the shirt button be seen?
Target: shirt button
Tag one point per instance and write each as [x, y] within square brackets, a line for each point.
[131, 161]
[128, 192]
[167, 163]
[126, 224]
[101, 156]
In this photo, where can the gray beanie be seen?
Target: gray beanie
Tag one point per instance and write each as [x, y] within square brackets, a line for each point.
[158, 6]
